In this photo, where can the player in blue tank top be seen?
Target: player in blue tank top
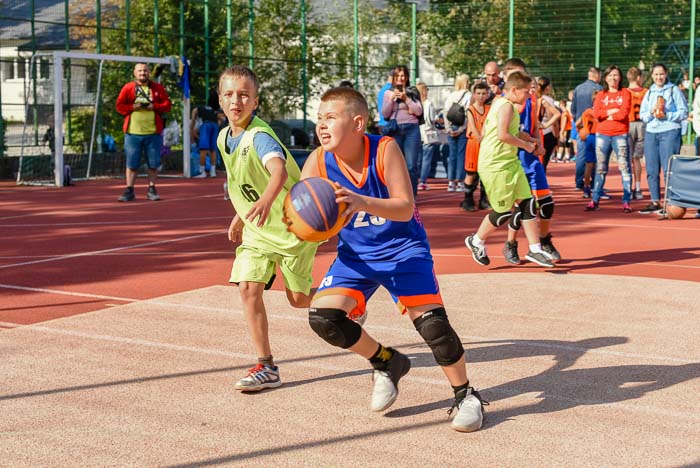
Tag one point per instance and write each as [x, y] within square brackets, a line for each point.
[383, 244]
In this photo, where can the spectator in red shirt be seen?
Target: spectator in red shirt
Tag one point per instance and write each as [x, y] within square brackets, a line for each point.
[611, 109]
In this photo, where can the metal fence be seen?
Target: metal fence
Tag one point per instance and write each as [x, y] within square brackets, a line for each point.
[301, 47]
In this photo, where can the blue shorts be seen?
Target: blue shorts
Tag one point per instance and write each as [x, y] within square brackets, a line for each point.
[411, 283]
[574, 132]
[536, 176]
[136, 145]
[208, 132]
[590, 155]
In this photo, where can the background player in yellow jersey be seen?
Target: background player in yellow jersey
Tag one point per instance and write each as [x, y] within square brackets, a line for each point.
[260, 172]
[502, 174]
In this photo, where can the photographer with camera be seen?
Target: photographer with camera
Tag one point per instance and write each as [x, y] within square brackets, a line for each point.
[142, 103]
[403, 111]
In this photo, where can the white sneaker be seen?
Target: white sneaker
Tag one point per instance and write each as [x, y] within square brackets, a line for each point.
[450, 187]
[386, 382]
[258, 378]
[470, 413]
[202, 173]
[461, 187]
[212, 171]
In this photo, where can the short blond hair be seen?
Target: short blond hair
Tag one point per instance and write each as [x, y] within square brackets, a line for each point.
[518, 79]
[352, 98]
[240, 71]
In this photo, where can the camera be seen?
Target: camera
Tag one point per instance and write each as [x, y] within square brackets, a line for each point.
[143, 104]
[399, 88]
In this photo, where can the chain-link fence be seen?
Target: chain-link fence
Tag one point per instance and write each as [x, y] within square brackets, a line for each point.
[300, 48]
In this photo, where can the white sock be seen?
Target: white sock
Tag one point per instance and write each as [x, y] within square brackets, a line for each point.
[534, 248]
[477, 241]
[638, 186]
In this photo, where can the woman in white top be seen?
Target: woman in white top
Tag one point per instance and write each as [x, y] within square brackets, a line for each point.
[429, 135]
[457, 134]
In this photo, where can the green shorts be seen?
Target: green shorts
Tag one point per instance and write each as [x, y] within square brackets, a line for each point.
[505, 187]
[257, 265]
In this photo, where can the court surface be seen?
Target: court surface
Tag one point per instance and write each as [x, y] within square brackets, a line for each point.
[121, 340]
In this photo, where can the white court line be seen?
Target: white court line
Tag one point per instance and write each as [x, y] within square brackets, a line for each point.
[595, 261]
[116, 249]
[391, 330]
[337, 369]
[111, 223]
[135, 254]
[76, 210]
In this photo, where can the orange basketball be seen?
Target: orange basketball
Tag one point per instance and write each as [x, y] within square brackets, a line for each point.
[311, 212]
[675, 212]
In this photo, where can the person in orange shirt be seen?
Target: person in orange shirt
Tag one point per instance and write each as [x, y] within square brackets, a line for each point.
[611, 108]
[637, 128]
[476, 116]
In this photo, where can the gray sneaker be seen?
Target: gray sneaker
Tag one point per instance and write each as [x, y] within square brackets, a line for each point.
[638, 195]
[548, 247]
[152, 194]
[128, 195]
[541, 258]
[386, 382]
[510, 252]
[470, 412]
[258, 378]
[478, 253]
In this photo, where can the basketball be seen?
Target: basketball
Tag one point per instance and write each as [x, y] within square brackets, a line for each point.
[311, 212]
[675, 212]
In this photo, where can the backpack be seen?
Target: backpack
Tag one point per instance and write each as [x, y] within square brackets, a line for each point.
[413, 93]
[456, 113]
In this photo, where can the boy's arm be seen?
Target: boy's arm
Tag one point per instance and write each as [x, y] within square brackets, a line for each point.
[505, 115]
[278, 176]
[310, 168]
[399, 205]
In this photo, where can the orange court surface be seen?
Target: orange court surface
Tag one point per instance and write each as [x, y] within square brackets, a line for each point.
[121, 339]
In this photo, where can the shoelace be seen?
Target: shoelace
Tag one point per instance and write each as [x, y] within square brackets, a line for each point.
[256, 369]
[470, 391]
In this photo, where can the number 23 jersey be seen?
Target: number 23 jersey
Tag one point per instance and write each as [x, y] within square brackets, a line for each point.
[368, 237]
[247, 179]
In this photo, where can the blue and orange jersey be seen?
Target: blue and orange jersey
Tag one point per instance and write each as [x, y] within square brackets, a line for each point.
[529, 115]
[368, 237]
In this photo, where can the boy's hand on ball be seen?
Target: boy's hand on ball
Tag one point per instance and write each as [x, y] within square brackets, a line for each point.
[353, 201]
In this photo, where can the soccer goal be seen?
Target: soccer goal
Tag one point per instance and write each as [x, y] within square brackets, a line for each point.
[71, 127]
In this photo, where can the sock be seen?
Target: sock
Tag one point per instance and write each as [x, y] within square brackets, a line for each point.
[381, 357]
[477, 240]
[460, 391]
[638, 186]
[534, 248]
[266, 361]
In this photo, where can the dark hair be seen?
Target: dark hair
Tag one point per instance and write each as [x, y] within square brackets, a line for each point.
[480, 85]
[346, 84]
[514, 62]
[542, 83]
[659, 64]
[608, 71]
[404, 69]
[240, 71]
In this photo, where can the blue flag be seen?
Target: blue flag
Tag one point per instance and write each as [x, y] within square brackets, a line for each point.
[184, 72]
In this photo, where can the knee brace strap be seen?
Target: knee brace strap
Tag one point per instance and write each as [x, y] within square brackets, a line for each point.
[334, 326]
[439, 335]
[528, 207]
[516, 220]
[499, 219]
[546, 207]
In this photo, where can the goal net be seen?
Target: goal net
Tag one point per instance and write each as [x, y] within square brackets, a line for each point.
[71, 126]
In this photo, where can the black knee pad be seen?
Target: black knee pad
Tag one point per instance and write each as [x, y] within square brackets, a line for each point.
[439, 335]
[528, 207]
[546, 207]
[334, 326]
[499, 219]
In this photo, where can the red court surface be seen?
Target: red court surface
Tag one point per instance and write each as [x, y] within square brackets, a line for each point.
[121, 337]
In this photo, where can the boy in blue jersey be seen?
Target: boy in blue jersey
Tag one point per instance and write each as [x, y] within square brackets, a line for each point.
[260, 172]
[383, 244]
